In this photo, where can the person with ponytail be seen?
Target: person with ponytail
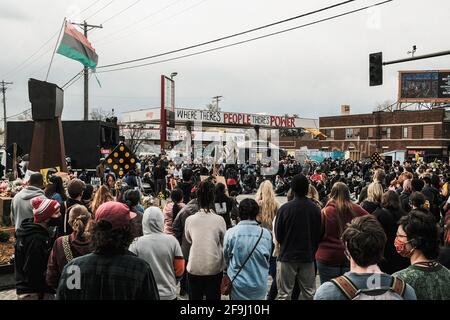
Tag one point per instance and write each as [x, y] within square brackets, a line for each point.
[132, 198]
[417, 201]
[338, 212]
[67, 248]
[102, 195]
[172, 209]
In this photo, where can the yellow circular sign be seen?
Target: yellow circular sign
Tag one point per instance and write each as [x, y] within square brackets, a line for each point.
[116, 154]
[109, 160]
[121, 148]
[127, 154]
[132, 160]
[115, 167]
[120, 173]
[121, 160]
[127, 166]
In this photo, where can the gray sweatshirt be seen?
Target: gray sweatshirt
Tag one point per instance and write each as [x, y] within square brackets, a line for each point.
[21, 208]
[159, 250]
[205, 232]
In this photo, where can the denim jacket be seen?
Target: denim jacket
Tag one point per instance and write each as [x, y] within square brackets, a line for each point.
[251, 283]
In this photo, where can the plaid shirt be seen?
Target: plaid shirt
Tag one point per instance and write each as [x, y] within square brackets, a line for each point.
[118, 277]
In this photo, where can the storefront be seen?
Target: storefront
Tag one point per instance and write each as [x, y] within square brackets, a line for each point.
[193, 127]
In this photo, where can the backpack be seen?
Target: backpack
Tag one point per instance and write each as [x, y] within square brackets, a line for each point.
[395, 292]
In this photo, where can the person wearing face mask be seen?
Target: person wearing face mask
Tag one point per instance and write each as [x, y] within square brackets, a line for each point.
[364, 241]
[418, 239]
[32, 249]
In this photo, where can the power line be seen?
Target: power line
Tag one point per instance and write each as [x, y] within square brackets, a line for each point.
[17, 114]
[21, 66]
[117, 14]
[95, 2]
[99, 10]
[232, 35]
[248, 40]
[73, 82]
[78, 74]
[122, 11]
[34, 53]
[139, 21]
[157, 23]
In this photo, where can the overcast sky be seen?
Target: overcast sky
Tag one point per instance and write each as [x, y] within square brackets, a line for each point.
[309, 71]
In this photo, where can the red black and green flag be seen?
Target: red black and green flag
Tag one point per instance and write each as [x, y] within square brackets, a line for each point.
[75, 45]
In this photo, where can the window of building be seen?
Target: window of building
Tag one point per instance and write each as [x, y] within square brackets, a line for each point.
[329, 133]
[351, 133]
[385, 133]
[405, 132]
[428, 131]
[348, 133]
[371, 133]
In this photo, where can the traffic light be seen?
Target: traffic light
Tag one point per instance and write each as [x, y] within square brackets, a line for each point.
[376, 69]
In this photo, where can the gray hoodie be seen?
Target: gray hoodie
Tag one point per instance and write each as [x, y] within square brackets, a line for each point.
[159, 250]
[21, 208]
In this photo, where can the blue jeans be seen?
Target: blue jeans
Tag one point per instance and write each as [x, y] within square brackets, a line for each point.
[326, 272]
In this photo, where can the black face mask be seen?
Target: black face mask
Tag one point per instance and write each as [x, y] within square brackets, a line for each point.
[54, 222]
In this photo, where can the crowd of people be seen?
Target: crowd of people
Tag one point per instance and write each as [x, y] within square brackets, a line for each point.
[366, 230]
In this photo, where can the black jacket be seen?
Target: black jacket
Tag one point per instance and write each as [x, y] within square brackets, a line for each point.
[63, 220]
[186, 187]
[298, 230]
[32, 249]
[159, 173]
[404, 199]
[392, 261]
[370, 206]
[433, 196]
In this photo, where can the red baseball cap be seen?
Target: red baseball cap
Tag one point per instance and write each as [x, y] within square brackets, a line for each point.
[116, 213]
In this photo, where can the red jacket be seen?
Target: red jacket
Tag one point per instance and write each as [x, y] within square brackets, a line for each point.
[57, 259]
[331, 248]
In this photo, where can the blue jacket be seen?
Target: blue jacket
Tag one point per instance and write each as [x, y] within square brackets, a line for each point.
[251, 283]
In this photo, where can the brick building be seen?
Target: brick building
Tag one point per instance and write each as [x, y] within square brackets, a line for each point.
[426, 132]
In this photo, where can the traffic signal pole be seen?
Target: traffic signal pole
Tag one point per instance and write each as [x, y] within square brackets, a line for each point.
[376, 64]
[425, 56]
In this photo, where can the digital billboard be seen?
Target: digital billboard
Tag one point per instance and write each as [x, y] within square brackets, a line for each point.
[424, 86]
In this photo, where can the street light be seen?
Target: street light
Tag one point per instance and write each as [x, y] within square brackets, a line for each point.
[414, 49]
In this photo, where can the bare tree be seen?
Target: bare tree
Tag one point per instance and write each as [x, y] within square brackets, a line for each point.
[134, 136]
[292, 132]
[212, 107]
[384, 106]
[25, 116]
[100, 114]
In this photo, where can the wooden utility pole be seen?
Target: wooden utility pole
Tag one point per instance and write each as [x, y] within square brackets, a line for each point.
[3, 88]
[85, 26]
[217, 99]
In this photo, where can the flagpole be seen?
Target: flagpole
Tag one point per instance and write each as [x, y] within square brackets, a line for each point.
[56, 46]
